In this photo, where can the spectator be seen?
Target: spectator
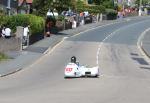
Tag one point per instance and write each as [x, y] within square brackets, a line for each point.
[48, 29]
[49, 24]
[7, 34]
[0, 31]
[3, 31]
[74, 23]
[25, 33]
[82, 18]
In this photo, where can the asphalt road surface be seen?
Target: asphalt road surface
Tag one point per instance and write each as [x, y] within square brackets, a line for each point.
[124, 72]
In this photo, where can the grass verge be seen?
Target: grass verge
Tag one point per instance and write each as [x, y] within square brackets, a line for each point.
[3, 57]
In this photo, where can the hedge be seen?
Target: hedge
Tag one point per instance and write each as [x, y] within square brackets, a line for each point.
[111, 14]
[92, 9]
[36, 23]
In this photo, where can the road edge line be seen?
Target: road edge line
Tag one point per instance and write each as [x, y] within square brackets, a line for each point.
[140, 45]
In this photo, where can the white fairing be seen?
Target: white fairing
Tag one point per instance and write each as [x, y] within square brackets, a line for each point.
[71, 70]
[93, 72]
[74, 70]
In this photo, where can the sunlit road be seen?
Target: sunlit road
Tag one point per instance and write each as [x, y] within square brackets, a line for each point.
[124, 77]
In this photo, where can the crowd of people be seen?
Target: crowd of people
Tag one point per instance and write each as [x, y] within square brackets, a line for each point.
[72, 19]
[6, 32]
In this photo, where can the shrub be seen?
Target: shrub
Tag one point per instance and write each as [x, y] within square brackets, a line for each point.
[3, 56]
[61, 18]
[36, 23]
[111, 14]
[2, 19]
[92, 9]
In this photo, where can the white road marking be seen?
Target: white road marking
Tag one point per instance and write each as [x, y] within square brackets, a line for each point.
[50, 50]
[139, 44]
[101, 44]
[97, 27]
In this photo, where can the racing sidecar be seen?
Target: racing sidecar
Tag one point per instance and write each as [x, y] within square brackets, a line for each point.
[74, 69]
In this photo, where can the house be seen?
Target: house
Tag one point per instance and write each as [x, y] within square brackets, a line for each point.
[9, 6]
[16, 6]
[25, 6]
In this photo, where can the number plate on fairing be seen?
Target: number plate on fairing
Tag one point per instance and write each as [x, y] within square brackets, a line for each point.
[87, 73]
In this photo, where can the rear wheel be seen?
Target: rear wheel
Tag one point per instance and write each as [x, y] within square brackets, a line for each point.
[96, 76]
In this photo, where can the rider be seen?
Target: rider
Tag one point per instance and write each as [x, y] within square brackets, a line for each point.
[73, 59]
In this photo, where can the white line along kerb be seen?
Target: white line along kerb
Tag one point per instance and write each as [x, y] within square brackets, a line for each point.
[113, 33]
[140, 43]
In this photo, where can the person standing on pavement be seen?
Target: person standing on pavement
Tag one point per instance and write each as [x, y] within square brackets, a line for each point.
[3, 31]
[48, 28]
[0, 31]
[25, 34]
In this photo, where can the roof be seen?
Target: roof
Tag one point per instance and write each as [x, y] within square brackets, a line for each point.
[27, 1]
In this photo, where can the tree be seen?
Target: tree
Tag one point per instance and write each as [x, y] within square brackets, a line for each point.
[144, 2]
[90, 1]
[62, 5]
[42, 6]
[97, 2]
[105, 3]
[108, 4]
[80, 4]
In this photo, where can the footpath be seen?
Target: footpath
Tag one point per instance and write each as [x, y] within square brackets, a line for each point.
[22, 59]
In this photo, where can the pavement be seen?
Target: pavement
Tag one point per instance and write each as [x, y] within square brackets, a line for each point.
[22, 59]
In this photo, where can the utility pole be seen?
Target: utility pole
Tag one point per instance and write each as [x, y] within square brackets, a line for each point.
[140, 8]
[8, 6]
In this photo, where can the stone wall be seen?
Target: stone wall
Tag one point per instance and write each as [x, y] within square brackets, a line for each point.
[11, 44]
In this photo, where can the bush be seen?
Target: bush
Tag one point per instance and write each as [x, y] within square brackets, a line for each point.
[2, 19]
[111, 14]
[3, 56]
[92, 9]
[2, 12]
[61, 18]
[36, 23]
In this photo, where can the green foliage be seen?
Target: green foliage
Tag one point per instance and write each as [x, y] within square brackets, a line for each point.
[61, 18]
[99, 8]
[90, 1]
[36, 23]
[92, 9]
[108, 4]
[96, 9]
[111, 14]
[42, 6]
[2, 19]
[97, 2]
[2, 12]
[144, 2]
[3, 56]
[80, 4]
[148, 8]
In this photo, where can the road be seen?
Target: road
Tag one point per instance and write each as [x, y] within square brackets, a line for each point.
[124, 71]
